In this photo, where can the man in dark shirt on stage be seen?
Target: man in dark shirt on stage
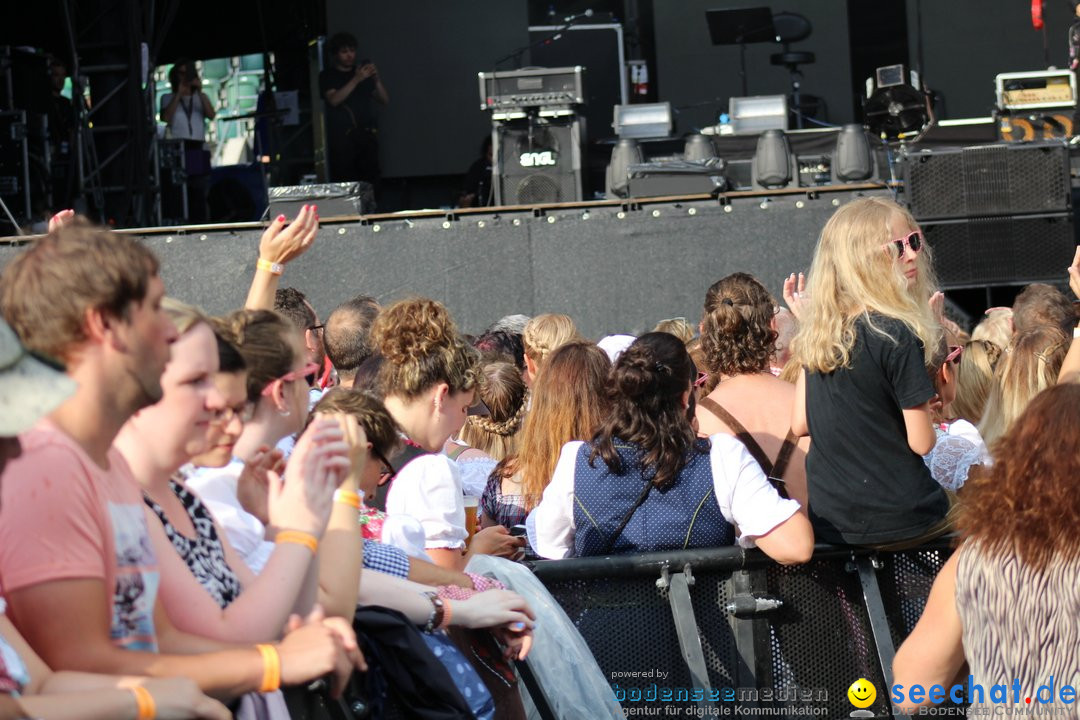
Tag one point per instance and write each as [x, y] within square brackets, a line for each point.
[351, 90]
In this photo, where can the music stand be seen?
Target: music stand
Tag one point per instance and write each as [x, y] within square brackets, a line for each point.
[740, 26]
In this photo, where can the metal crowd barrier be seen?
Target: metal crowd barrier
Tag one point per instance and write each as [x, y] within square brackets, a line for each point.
[729, 632]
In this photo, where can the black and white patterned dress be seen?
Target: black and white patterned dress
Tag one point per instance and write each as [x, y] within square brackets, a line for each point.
[204, 554]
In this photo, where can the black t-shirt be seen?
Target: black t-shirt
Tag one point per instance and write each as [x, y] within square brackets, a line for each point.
[866, 485]
[358, 110]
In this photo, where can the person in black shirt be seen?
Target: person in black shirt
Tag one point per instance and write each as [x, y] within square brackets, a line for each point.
[476, 190]
[351, 90]
[867, 335]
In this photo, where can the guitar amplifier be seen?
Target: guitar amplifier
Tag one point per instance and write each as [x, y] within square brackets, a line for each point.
[539, 87]
[1033, 90]
[538, 162]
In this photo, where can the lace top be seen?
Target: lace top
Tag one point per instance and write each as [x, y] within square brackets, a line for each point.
[204, 554]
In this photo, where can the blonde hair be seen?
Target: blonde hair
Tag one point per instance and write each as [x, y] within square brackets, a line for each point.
[548, 332]
[996, 327]
[852, 276]
[678, 327]
[1029, 366]
[974, 378]
[503, 390]
[421, 347]
[183, 316]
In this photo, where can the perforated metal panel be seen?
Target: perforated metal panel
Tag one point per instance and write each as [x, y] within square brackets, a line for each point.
[821, 638]
[987, 180]
[988, 251]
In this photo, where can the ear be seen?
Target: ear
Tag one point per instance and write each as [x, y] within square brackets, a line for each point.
[686, 400]
[530, 368]
[101, 328]
[442, 392]
[948, 375]
[277, 395]
[311, 341]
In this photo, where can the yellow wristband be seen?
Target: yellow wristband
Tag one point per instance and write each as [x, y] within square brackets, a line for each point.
[144, 702]
[300, 538]
[348, 497]
[271, 267]
[271, 679]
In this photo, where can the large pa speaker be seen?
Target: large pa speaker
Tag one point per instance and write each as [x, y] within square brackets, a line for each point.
[537, 161]
[1001, 179]
[1001, 250]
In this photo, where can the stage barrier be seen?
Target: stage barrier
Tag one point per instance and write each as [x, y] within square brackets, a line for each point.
[750, 636]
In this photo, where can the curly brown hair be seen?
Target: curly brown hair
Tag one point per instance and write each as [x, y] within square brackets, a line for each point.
[1027, 501]
[736, 331]
[421, 347]
[379, 427]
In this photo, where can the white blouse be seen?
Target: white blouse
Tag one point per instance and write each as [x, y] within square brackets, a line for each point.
[745, 497]
[429, 490]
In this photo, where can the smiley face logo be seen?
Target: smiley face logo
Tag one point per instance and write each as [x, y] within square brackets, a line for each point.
[862, 693]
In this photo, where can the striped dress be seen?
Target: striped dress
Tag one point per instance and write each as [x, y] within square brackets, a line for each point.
[1020, 624]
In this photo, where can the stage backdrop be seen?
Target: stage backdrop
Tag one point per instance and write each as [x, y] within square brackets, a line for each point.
[428, 53]
[698, 77]
[967, 42]
[611, 274]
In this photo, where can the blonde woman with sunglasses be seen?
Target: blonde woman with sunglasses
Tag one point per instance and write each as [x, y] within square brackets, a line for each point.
[867, 336]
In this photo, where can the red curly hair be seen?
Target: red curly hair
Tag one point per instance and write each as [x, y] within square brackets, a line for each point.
[1027, 502]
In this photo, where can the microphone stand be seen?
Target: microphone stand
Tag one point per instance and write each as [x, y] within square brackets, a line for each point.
[516, 54]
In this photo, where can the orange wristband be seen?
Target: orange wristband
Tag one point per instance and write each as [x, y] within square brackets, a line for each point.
[447, 612]
[300, 538]
[271, 679]
[348, 497]
[144, 702]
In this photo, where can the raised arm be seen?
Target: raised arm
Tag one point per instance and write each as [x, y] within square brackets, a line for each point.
[280, 244]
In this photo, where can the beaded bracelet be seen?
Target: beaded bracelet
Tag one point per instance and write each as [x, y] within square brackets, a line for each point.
[438, 612]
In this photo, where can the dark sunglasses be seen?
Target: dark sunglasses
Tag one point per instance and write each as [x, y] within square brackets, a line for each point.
[912, 241]
[954, 354]
[702, 378]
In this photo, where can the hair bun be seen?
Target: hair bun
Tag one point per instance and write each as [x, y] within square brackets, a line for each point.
[412, 328]
[636, 374]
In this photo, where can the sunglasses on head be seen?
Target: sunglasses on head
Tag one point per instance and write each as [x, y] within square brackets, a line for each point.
[912, 241]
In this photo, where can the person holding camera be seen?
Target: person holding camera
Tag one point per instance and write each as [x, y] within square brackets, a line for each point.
[351, 90]
[185, 110]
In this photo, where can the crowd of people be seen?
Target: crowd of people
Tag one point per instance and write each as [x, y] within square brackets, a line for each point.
[227, 509]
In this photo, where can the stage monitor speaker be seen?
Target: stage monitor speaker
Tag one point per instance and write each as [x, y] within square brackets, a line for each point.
[1001, 250]
[538, 161]
[1001, 179]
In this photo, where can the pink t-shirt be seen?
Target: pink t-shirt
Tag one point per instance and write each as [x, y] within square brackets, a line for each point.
[63, 517]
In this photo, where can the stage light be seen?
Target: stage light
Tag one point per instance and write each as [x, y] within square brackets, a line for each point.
[896, 105]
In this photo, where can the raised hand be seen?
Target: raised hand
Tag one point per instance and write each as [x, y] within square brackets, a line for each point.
[1074, 274]
[283, 242]
[795, 293]
[252, 487]
[60, 219]
[303, 498]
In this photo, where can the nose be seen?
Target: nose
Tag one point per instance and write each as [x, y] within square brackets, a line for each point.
[909, 254]
[235, 426]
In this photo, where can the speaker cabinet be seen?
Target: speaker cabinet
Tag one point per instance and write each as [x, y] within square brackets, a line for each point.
[1002, 179]
[538, 161]
[1001, 250]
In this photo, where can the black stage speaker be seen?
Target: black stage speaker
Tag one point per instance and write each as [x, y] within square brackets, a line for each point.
[1001, 179]
[1001, 250]
[538, 161]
